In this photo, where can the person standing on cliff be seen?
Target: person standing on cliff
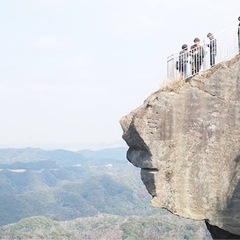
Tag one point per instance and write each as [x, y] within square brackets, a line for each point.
[213, 48]
[239, 35]
[193, 52]
[197, 54]
[183, 61]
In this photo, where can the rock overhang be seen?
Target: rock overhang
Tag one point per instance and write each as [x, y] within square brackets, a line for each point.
[187, 142]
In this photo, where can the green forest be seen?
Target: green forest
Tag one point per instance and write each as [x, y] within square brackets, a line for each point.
[86, 194]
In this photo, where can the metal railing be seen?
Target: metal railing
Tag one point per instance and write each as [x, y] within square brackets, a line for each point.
[189, 63]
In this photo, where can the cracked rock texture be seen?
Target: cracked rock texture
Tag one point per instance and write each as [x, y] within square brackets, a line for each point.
[187, 143]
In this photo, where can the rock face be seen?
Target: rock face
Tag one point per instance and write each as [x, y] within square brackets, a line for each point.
[186, 141]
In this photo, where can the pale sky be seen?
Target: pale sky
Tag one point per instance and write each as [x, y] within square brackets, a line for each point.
[70, 69]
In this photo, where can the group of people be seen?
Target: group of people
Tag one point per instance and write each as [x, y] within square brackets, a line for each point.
[190, 61]
[195, 56]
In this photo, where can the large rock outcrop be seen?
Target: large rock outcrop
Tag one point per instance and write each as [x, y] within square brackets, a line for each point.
[186, 140]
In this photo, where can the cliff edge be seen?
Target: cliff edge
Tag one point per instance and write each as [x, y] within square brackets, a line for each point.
[187, 143]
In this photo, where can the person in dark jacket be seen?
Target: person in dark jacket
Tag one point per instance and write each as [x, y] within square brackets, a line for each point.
[193, 54]
[213, 48]
[197, 54]
[183, 61]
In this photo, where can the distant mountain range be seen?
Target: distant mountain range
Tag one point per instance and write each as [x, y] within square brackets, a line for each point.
[100, 189]
[37, 154]
[17, 158]
[64, 185]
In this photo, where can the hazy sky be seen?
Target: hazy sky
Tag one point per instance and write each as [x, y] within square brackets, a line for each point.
[70, 69]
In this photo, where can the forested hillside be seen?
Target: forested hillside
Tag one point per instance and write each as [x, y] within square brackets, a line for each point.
[81, 195]
[65, 185]
[103, 226]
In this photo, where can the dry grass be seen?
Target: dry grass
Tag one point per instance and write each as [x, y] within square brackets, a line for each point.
[172, 85]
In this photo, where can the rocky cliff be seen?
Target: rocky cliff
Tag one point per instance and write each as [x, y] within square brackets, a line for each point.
[186, 140]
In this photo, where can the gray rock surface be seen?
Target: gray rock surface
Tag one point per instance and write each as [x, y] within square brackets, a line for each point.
[186, 140]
